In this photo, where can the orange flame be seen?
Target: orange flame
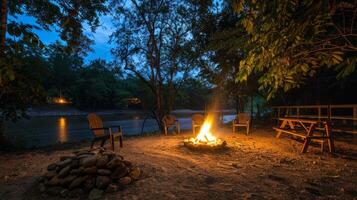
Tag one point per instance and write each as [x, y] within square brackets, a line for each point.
[205, 134]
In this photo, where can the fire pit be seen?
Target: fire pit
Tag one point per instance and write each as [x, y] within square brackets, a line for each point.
[205, 139]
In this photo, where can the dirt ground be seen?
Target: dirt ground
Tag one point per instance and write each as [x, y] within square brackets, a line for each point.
[257, 166]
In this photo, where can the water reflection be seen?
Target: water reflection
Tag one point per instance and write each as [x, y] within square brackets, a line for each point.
[62, 130]
[42, 131]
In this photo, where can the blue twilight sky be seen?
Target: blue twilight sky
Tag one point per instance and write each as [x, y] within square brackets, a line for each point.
[101, 47]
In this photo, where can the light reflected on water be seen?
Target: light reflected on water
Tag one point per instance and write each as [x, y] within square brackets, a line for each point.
[62, 134]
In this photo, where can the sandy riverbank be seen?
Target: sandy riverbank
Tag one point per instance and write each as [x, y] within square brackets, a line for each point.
[258, 166]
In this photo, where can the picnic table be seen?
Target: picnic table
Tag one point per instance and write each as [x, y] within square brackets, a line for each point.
[307, 129]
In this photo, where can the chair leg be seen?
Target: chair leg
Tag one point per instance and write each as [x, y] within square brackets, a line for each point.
[248, 128]
[91, 146]
[121, 141]
[112, 142]
[103, 142]
[178, 129]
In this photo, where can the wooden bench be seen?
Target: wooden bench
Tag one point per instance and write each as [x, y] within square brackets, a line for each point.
[306, 129]
[291, 132]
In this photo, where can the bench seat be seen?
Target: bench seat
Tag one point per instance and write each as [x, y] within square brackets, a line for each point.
[315, 138]
[292, 132]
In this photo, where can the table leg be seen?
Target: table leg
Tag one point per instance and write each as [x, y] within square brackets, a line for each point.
[329, 138]
[283, 124]
[291, 125]
[308, 138]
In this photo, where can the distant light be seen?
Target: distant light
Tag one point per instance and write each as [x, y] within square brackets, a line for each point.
[60, 101]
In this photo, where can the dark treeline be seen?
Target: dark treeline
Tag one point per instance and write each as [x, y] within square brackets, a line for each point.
[101, 85]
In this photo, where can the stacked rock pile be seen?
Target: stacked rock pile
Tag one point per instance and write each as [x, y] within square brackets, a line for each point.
[92, 172]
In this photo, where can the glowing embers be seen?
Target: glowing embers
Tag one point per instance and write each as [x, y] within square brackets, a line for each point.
[205, 139]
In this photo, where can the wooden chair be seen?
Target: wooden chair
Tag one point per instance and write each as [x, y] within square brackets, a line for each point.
[197, 121]
[171, 121]
[99, 131]
[243, 120]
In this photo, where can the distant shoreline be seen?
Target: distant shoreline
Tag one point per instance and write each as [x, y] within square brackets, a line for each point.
[34, 112]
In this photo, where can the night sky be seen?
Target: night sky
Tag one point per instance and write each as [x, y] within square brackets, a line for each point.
[101, 47]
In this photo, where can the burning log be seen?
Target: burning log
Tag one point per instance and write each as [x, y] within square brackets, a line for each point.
[205, 139]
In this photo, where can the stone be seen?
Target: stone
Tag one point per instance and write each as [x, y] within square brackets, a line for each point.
[102, 161]
[41, 179]
[75, 171]
[115, 162]
[51, 167]
[112, 188]
[74, 163]
[104, 172]
[67, 180]
[102, 182]
[125, 180]
[119, 172]
[95, 194]
[54, 191]
[42, 187]
[77, 182]
[64, 193]
[58, 169]
[88, 161]
[50, 174]
[89, 170]
[135, 173]
[109, 153]
[89, 184]
[81, 152]
[64, 172]
[54, 181]
[75, 193]
[62, 158]
[127, 164]
[84, 156]
[64, 163]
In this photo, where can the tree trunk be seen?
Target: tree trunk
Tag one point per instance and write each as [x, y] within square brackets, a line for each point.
[3, 12]
[237, 104]
[251, 108]
[2, 137]
[170, 98]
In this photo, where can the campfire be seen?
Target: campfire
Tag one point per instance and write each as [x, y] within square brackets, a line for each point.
[205, 138]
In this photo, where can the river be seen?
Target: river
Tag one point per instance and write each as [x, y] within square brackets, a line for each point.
[45, 131]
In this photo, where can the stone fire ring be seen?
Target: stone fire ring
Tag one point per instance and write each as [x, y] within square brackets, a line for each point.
[204, 146]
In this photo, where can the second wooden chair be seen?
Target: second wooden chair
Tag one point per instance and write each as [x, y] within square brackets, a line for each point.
[171, 121]
[99, 131]
[197, 121]
[242, 120]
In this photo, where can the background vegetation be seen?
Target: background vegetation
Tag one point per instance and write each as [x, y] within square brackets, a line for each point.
[180, 54]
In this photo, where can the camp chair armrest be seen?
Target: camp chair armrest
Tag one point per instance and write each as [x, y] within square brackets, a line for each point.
[116, 126]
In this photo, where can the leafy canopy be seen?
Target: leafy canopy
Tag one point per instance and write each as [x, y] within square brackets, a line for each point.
[21, 49]
[289, 41]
